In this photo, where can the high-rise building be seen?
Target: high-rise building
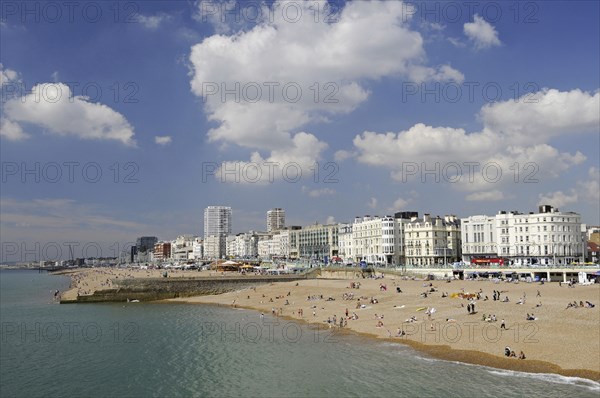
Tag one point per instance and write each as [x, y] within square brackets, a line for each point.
[144, 244]
[217, 221]
[275, 219]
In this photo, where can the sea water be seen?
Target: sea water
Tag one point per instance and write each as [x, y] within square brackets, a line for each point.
[166, 350]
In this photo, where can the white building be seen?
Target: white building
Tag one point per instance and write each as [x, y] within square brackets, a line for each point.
[345, 242]
[217, 221]
[432, 242]
[231, 246]
[315, 242]
[275, 219]
[198, 248]
[401, 219]
[214, 247]
[478, 235]
[281, 244]
[373, 239]
[546, 237]
[182, 248]
[543, 238]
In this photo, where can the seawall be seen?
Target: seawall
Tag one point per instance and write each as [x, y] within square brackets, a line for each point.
[151, 289]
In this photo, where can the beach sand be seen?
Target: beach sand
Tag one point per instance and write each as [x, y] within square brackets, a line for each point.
[563, 341]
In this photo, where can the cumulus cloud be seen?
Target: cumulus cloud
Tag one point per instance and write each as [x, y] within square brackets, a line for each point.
[590, 189]
[584, 190]
[262, 84]
[163, 140]
[543, 115]
[513, 143]
[290, 162]
[399, 204]
[342, 155]
[53, 106]
[11, 130]
[558, 198]
[7, 75]
[481, 32]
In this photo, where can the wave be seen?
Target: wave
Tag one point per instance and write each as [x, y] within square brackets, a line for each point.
[549, 377]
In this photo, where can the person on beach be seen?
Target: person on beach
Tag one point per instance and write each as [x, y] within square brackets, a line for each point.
[502, 325]
[521, 355]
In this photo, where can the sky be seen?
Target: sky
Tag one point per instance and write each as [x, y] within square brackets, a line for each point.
[123, 119]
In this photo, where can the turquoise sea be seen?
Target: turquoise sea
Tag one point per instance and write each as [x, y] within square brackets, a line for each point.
[170, 350]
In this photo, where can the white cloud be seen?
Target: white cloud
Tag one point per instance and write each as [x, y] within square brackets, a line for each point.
[342, 155]
[513, 139]
[7, 75]
[163, 140]
[399, 205]
[590, 189]
[330, 220]
[456, 42]
[11, 130]
[52, 106]
[481, 32]
[558, 198]
[487, 196]
[317, 193]
[337, 57]
[152, 21]
[292, 162]
[54, 76]
[539, 116]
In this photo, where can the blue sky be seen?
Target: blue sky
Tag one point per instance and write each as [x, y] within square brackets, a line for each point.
[415, 86]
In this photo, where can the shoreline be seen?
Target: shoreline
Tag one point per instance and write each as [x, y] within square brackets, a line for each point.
[440, 352]
[561, 341]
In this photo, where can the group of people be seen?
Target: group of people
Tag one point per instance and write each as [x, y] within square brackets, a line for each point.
[511, 354]
[471, 308]
[580, 305]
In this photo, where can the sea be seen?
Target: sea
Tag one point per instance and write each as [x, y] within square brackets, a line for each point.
[172, 350]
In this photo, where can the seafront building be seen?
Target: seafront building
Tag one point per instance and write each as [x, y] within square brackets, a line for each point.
[345, 243]
[317, 242]
[432, 241]
[373, 239]
[162, 251]
[548, 237]
[214, 247]
[217, 226]
[275, 220]
[217, 221]
[182, 248]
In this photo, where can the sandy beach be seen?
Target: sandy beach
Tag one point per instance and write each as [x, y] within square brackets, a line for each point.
[560, 340]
